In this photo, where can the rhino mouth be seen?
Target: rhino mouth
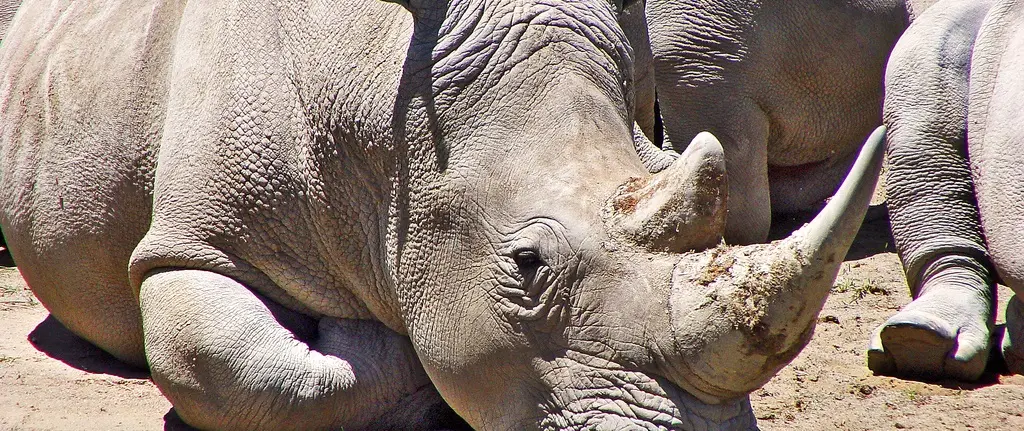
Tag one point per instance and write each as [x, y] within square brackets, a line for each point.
[620, 399]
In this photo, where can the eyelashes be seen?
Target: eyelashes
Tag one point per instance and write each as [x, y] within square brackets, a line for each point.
[526, 259]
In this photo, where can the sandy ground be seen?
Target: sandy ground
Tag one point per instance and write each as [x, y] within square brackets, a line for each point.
[830, 387]
[52, 380]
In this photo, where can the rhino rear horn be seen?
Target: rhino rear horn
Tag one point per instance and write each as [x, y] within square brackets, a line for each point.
[681, 208]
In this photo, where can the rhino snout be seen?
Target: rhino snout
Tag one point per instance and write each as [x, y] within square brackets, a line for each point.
[741, 313]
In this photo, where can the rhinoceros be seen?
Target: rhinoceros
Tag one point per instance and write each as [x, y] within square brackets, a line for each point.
[791, 87]
[367, 215]
[955, 192]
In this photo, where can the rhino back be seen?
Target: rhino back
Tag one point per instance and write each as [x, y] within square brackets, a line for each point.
[82, 115]
[799, 81]
[250, 136]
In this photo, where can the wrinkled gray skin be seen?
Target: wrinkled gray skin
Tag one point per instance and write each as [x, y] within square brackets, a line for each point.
[791, 88]
[321, 216]
[953, 88]
[7, 10]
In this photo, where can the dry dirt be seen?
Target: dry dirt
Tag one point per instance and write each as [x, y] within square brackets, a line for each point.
[51, 380]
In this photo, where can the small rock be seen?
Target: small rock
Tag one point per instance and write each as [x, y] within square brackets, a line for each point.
[800, 405]
[861, 389]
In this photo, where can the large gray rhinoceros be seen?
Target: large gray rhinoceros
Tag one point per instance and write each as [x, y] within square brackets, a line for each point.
[790, 87]
[308, 215]
[956, 188]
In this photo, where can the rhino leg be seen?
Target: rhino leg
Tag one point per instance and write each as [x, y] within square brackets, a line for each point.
[995, 144]
[225, 360]
[945, 331]
[750, 208]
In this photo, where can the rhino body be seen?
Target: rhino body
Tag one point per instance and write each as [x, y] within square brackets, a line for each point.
[367, 215]
[791, 88]
[954, 188]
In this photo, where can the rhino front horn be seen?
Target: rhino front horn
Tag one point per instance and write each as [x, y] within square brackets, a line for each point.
[679, 209]
[739, 314]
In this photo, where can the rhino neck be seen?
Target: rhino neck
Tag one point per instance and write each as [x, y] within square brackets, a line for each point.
[363, 161]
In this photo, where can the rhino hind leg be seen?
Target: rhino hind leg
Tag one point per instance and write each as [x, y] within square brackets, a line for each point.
[228, 359]
[74, 265]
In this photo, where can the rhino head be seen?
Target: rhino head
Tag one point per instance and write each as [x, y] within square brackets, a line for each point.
[545, 278]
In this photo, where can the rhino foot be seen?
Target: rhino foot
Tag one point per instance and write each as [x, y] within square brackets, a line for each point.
[1013, 337]
[943, 334]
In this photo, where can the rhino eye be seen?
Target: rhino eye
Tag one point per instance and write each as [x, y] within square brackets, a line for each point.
[526, 259]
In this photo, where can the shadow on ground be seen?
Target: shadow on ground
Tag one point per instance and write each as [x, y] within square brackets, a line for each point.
[174, 423]
[874, 237]
[5, 257]
[451, 421]
[57, 342]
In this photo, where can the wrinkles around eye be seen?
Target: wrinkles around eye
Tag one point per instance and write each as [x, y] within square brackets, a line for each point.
[547, 229]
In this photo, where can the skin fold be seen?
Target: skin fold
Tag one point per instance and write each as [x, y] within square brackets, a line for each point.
[7, 10]
[952, 195]
[791, 88]
[369, 215]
